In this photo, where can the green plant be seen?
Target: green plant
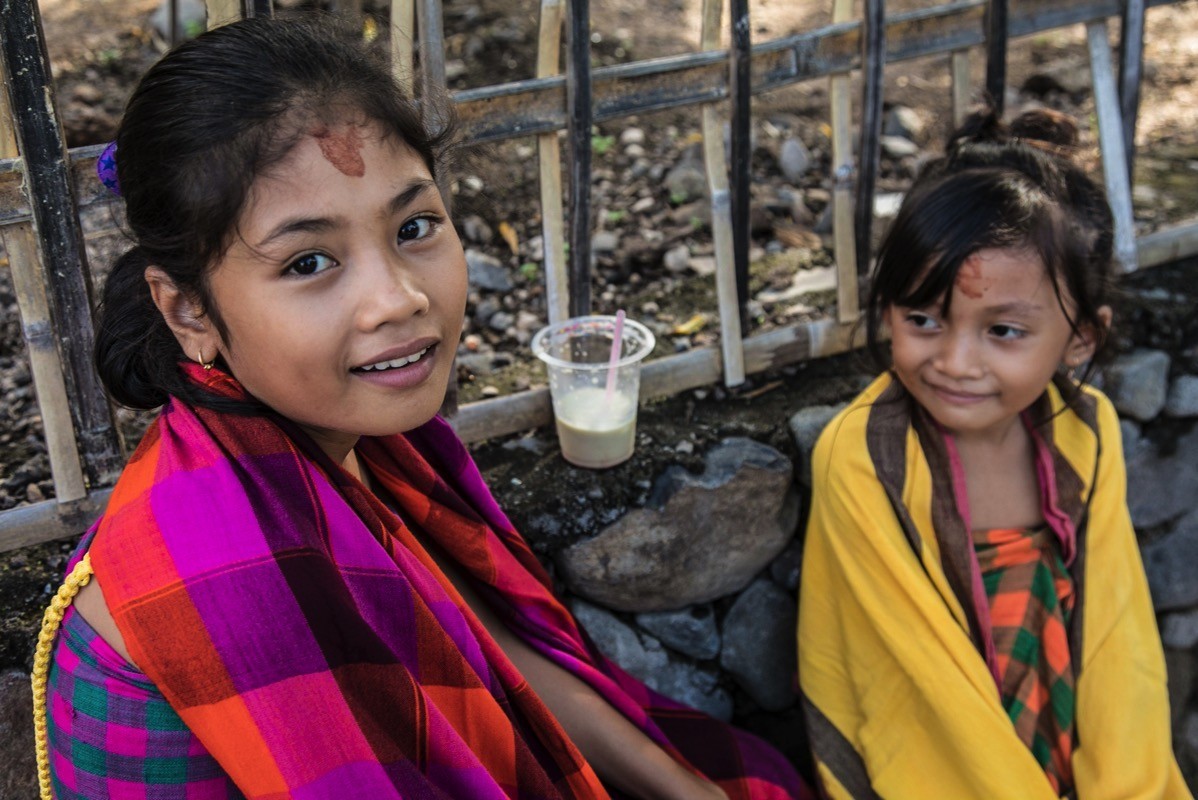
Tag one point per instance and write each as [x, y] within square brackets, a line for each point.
[601, 145]
[616, 216]
[529, 270]
[678, 198]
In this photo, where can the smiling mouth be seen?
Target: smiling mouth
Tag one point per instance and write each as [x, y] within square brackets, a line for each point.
[960, 397]
[395, 363]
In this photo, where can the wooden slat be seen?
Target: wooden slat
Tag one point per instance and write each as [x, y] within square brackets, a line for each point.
[56, 222]
[580, 119]
[1131, 64]
[49, 520]
[45, 364]
[873, 58]
[997, 36]
[432, 53]
[843, 237]
[716, 167]
[961, 85]
[1110, 139]
[1167, 245]
[403, 32]
[549, 162]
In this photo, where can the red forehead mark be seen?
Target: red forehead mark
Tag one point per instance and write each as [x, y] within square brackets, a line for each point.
[342, 148]
[969, 279]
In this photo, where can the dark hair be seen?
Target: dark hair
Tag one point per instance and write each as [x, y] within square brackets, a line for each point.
[202, 124]
[994, 189]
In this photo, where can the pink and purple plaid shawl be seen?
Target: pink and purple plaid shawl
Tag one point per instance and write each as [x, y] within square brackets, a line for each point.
[310, 643]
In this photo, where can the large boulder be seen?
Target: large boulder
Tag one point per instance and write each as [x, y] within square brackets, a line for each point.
[692, 631]
[1138, 383]
[700, 536]
[759, 644]
[1169, 563]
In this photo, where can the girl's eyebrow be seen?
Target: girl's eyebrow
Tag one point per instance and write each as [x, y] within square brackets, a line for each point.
[1017, 308]
[320, 224]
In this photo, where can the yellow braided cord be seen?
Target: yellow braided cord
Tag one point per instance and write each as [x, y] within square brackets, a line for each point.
[51, 620]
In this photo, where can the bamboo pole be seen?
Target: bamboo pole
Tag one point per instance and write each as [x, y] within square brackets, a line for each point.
[843, 241]
[549, 159]
[403, 55]
[222, 12]
[1131, 64]
[997, 33]
[45, 364]
[580, 118]
[873, 60]
[1110, 139]
[740, 70]
[961, 81]
[56, 224]
[716, 167]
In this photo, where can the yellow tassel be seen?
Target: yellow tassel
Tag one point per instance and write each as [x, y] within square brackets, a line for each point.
[51, 620]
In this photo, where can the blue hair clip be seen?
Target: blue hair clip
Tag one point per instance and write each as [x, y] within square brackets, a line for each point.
[106, 169]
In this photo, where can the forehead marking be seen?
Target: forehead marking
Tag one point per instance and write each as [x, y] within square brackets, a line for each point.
[969, 280]
[342, 148]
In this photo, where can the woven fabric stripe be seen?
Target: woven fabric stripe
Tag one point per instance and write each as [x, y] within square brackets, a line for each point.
[301, 630]
[112, 735]
[1030, 593]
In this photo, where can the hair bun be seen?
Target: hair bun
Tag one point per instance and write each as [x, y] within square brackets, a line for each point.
[1047, 126]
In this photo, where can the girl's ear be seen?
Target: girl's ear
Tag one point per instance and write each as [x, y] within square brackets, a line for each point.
[1083, 344]
[184, 316]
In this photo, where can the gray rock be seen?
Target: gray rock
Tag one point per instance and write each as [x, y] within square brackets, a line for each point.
[605, 242]
[691, 631]
[475, 229]
[759, 645]
[486, 272]
[1181, 666]
[632, 136]
[501, 321]
[1161, 489]
[1169, 563]
[1137, 383]
[1180, 631]
[677, 259]
[1189, 733]
[641, 656]
[903, 121]
[686, 182]
[805, 428]
[1183, 397]
[191, 19]
[1129, 429]
[696, 687]
[794, 159]
[18, 769]
[899, 147]
[788, 566]
[701, 536]
[486, 309]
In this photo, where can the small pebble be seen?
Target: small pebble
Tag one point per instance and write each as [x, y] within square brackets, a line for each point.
[473, 342]
[490, 391]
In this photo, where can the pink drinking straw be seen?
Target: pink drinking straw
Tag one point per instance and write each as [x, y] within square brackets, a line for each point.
[617, 340]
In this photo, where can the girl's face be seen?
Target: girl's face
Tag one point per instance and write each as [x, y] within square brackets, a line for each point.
[996, 351]
[345, 290]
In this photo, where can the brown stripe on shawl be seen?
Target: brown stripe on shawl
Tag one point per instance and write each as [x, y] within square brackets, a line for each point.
[956, 542]
[886, 440]
[836, 753]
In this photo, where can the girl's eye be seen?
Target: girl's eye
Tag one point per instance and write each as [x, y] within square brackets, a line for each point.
[310, 264]
[921, 321]
[1007, 332]
[416, 228]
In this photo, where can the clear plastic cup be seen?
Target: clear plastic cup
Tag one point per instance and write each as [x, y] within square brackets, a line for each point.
[595, 426]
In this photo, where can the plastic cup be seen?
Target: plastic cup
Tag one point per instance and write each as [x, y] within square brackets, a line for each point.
[595, 426]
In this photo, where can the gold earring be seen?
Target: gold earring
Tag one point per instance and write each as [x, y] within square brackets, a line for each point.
[207, 365]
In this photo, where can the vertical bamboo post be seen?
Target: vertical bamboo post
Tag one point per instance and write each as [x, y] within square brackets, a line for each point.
[1110, 139]
[1131, 63]
[403, 30]
[44, 363]
[257, 8]
[549, 157]
[432, 49]
[741, 74]
[722, 219]
[842, 183]
[578, 98]
[222, 12]
[960, 71]
[56, 224]
[996, 53]
[873, 60]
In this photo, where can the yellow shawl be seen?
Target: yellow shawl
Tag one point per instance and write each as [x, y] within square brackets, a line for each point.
[898, 698]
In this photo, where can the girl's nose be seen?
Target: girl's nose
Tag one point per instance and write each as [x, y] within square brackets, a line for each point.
[959, 358]
[389, 292]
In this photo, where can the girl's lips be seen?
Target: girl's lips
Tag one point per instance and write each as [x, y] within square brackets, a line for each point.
[407, 376]
[958, 398]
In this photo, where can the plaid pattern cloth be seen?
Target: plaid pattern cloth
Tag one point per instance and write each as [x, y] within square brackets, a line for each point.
[1030, 594]
[307, 639]
[110, 732]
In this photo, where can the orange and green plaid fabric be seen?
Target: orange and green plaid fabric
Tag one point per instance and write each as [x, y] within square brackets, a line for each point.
[1030, 593]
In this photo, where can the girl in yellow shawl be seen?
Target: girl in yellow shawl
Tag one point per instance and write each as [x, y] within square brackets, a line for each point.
[974, 620]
